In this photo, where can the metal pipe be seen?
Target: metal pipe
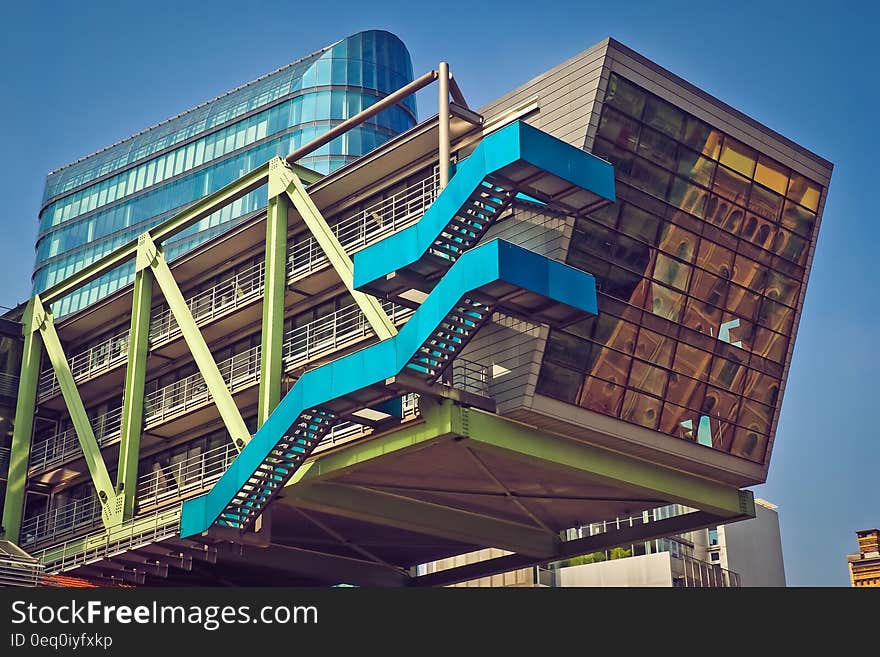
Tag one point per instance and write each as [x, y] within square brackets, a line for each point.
[455, 90]
[443, 115]
[360, 117]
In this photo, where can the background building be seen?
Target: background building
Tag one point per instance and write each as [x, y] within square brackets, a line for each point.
[864, 567]
[96, 204]
[526, 407]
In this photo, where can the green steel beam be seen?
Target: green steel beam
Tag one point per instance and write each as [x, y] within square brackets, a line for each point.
[393, 510]
[172, 226]
[111, 508]
[370, 306]
[436, 424]
[274, 287]
[488, 432]
[135, 377]
[23, 428]
[198, 347]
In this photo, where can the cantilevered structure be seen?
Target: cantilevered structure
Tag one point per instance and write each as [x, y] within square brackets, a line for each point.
[480, 334]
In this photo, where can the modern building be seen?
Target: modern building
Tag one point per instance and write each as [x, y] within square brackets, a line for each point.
[744, 553]
[571, 305]
[103, 200]
[864, 566]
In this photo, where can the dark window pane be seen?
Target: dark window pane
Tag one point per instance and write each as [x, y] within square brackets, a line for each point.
[664, 116]
[702, 138]
[723, 213]
[741, 301]
[640, 409]
[625, 96]
[559, 382]
[568, 350]
[671, 272]
[715, 258]
[678, 242]
[639, 224]
[758, 231]
[770, 345]
[798, 219]
[619, 129]
[781, 288]
[664, 302]
[702, 317]
[695, 166]
[728, 374]
[647, 378]
[606, 215]
[655, 348]
[601, 396]
[689, 198]
[749, 444]
[650, 178]
[657, 147]
[691, 361]
[620, 158]
[720, 405]
[804, 191]
[765, 203]
[789, 246]
[731, 185]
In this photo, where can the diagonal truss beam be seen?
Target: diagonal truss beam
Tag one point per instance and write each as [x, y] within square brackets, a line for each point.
[283, 178]
[196, 342]
[42, 322]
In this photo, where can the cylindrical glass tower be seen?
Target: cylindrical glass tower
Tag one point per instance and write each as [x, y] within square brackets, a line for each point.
[101, 201]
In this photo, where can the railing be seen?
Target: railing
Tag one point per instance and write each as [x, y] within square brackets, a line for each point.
[60, 520]
[699, 573]
[468, 376]
[99, 545]
[321, 336]
[5, 453]
[8, 384]
[172, 483]
[304, 257]
[20, 572]
[61, 446]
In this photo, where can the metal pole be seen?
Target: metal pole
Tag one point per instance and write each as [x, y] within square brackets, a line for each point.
[135, 375]
[273, 302]
[443, 112]
[16, 485]
[360, 117]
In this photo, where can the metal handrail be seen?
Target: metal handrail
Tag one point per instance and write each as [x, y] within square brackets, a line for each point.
[324, 335]
[172, 483]
[8, 384]
[304, 257]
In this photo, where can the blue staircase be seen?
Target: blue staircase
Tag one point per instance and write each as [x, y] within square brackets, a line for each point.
[469, 283]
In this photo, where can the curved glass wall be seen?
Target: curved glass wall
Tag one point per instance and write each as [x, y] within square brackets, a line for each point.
[100, 202]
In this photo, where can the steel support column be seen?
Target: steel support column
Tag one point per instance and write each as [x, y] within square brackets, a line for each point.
[443, 116]
[16, 483]
[198, 347]
[370, 306]
[111, 509]
[274, 287]
[135, 376]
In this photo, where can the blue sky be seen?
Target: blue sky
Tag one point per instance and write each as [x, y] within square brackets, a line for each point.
[79, 76]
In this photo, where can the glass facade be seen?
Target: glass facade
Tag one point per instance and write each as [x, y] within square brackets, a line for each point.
[699, 267]
[96, 204]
